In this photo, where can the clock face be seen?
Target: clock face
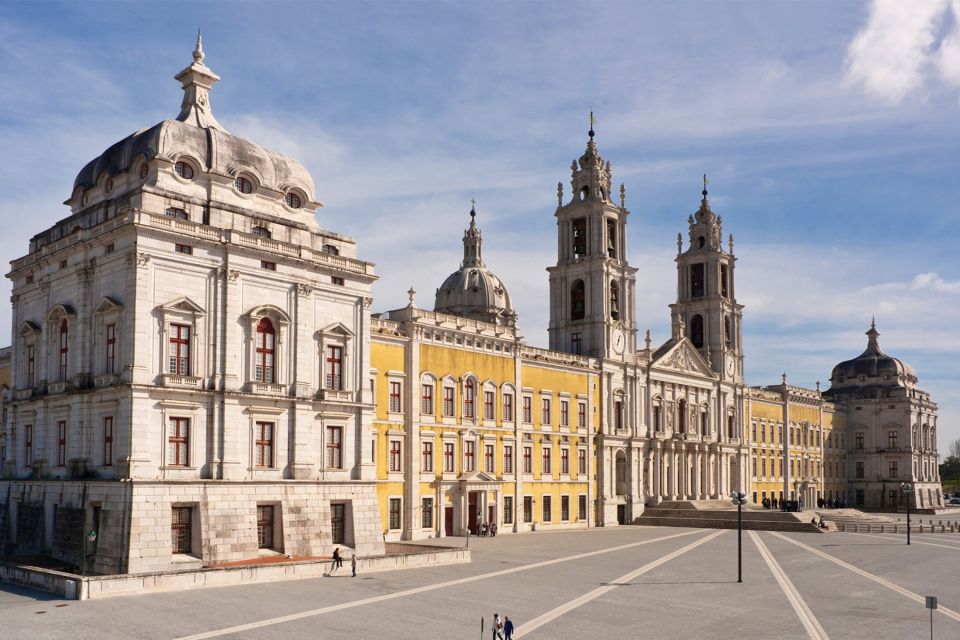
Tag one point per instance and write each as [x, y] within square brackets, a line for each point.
[618, 340]
[731, 366]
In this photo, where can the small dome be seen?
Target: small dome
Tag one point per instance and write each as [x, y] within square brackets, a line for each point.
[473, 291]
[872, 368]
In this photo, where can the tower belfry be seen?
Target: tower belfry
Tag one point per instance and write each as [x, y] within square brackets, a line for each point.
[592, 286]
[706, 305]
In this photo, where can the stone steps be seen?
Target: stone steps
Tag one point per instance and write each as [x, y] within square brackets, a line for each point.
[718, 516]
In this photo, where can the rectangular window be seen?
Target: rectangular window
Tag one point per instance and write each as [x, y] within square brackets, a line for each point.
[576, 342]
[697, 288]
[64, 350]
[564, 413]
[579, 230]
[508, 407]
[469, 399]
[28, 445]
[859, 469]
[111, 363]
[394, 397]
[724, 287]
[263, 444]
[528, 460]
[618, 414]
[335, 447]
[108, 441]
[612, 238]
[338, 522]
[427, 457]
[183, 248]
[582, 507]
[582, 462]
[178, 440]
[547, 508]
[31, 365]
[527, 409]
[545, 412]
[394, 455]
[62, 443]
[448, 402]
[110, 248]
[448, 457]
[892, 440]
[265, 264]
[180, 524]
[892, 469]
[426, 400]
[394, 513]
[508, 458]
[334, 368]
[337, 280]
[488, 458]
[858, 441]
[564, 461]
[528, 508]
[545, 469]
[265, 526]
[507, 509]
[468, 456]
[179, 350]
[581, 415]
[488, 399]
[763, 467]
[426, 513]
[564, 508]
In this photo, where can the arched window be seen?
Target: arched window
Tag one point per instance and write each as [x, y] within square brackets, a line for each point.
[615, 300]
[261, 232]
[64, 348]
[612, 238]
[243, 185]
[696, 331]
[682, 416]
[469, 399]
[266, 347]
[577, 301]
[183, 169]
[293, 200]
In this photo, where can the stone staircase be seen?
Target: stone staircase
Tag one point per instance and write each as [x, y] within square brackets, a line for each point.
[720, 514]
[854, 521]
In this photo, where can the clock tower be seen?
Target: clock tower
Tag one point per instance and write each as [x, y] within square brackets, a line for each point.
[706, 302]
[592, 286]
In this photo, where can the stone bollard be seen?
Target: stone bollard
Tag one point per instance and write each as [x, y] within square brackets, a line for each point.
[882, 527]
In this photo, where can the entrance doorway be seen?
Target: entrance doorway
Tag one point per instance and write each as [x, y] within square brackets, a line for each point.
[621, 514]
[491, 514]
[448, 521]
[472, 513]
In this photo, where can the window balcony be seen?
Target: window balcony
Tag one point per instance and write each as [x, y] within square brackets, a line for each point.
[106, 380]
[57, 387]
[183, 382]
[267, 388]
[336, 395]
[23, 394]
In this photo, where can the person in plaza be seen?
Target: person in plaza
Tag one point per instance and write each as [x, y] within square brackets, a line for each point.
[497, 627]
[353, 564]
[507, 628]
[337, 560]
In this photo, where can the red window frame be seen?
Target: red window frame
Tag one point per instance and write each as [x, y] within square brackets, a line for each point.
[508, 407]
[394, 455]
[31, 365]
[394, 397]
[545, 411]
[111, 363]
[488, 400]
[178, 443]
[581, 461]
[528, 459]
[508, 458]
[28, 445]
[61, 443]
[263, 444]
[426, 399]
[108, 441]
[335, 447]
[469, 453]
[564, 413]
[527, 409]
[469, 399]
[488, 458]
[427, 457]
[449, 455]
[582, 415]
[546, 466]
[265, 370]
[179, 349]
[449, 402]
[564, 461]
[334, 367]
[180, 529]
[64, 348]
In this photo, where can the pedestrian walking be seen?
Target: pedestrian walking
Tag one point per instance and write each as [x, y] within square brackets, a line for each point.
[353, 564]
[337, 559]
[507, 628]
[497, 627]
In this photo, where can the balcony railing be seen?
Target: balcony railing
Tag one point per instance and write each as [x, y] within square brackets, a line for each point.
[57, 387]
[336, 395]
[185, 382]
[267, 389]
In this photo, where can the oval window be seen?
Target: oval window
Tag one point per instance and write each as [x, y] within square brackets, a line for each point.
[144, 170]
[293, 200]
[243, 185]
[183, 169]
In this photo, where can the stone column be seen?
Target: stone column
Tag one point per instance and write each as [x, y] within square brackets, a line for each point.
[698, 474]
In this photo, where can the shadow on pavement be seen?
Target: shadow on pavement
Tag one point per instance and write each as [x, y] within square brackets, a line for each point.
[10, 593]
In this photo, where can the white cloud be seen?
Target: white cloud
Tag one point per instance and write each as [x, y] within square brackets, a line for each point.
[948, 57]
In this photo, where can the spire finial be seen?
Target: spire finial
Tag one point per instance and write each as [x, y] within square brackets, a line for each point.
[198, 52]
[411, 294]
[647, 339]
[593, 121]
[559, 194]
[873, 322]
[704, 185]
[473, 207]
[623, 196]
[783, 378]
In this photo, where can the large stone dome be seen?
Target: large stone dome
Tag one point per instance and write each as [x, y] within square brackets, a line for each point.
[872, 369]
[473, 291]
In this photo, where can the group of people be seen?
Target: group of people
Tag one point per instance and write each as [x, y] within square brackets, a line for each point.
[830, 503]
[781, 504]
[502, 629]
[338, 562]
[484, 530]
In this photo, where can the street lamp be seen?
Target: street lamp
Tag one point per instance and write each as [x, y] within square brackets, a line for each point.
[907, 489]
[739, 499]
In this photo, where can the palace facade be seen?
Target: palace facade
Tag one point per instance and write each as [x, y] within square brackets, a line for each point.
[196, 377]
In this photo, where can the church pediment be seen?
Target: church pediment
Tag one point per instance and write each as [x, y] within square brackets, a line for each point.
[476, 476]
[682, 356]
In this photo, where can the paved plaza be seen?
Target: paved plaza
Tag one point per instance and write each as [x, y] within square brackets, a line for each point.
[638, 582]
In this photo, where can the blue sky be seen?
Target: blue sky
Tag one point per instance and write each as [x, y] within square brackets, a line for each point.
[829, 132]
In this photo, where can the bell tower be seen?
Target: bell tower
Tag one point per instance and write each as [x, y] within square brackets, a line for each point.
[592, 286]
[706, 302]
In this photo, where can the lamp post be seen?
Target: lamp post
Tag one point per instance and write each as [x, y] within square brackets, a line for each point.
[907, 489]
[739, 499]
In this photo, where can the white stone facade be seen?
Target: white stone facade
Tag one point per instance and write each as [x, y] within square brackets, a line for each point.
[191, 337]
